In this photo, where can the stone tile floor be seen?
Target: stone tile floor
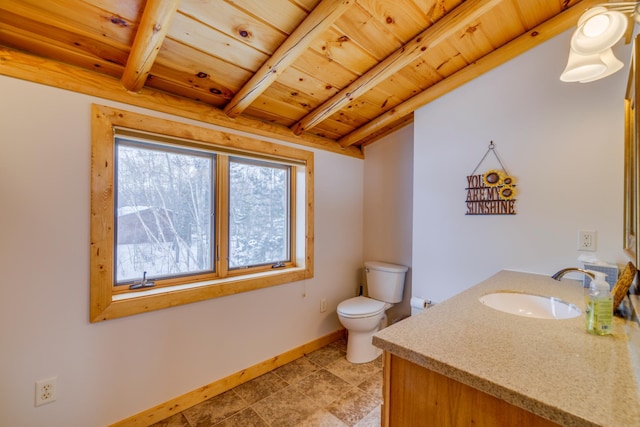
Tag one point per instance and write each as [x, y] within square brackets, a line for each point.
[321, 389]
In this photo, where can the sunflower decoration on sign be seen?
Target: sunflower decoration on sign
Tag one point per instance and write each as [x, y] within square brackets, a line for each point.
[493, 178]
[497, 178]
[508, 192]
[492, 193]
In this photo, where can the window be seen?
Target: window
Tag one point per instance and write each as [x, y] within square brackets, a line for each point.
[163, 212]
[259, 220]
[181, 214]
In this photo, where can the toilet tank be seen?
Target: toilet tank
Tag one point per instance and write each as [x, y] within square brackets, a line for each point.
[385, 281]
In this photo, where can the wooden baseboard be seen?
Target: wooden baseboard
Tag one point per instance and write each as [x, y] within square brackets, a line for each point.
[179, 404]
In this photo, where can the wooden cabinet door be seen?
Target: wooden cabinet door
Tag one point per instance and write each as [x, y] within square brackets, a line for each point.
[415, 396]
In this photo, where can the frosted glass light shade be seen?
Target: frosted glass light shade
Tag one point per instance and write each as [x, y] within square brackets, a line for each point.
[591, 13]
[582, 67]
[598, 29]
[613, 64]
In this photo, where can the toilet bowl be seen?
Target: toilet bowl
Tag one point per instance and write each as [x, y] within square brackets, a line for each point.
[364, 316]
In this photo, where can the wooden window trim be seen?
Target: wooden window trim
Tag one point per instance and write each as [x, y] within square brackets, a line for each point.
[105, 302]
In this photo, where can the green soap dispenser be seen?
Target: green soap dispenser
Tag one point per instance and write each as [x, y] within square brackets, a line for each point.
[599, 309]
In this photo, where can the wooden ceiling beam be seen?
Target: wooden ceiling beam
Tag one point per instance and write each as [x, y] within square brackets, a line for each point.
[444, 28]
[532, 38]
[320, 19]
[36, 69]
[152, 30]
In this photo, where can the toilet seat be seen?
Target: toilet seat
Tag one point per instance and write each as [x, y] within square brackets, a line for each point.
[359, 307]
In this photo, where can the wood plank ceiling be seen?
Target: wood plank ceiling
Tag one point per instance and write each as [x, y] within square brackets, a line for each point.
[336, 74]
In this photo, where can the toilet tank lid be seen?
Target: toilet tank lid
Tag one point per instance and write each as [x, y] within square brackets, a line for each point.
[385, 266]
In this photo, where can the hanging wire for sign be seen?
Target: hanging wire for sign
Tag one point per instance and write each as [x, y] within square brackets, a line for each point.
[492, 149]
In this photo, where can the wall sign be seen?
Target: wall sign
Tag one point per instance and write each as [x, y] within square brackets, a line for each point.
[493, 192]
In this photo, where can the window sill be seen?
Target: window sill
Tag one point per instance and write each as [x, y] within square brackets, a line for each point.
[155, 299]
[189, 286]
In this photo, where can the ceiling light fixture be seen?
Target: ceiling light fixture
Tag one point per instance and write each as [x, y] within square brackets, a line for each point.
[599, 29]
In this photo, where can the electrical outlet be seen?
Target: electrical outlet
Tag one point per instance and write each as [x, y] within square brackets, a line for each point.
[323, 305]
[46, 391]
[587, 240]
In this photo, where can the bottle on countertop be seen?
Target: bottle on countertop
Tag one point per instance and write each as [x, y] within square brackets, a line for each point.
[599, 308]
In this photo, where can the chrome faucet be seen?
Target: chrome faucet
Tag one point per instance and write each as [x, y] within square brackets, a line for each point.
[558, 276]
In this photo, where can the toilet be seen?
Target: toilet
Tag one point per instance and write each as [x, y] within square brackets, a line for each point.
[364, 316]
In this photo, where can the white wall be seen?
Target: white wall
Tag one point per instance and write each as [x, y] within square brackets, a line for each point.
[564, 144]
[114, 369]
[388, 200]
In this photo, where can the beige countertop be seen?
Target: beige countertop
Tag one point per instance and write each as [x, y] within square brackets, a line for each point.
[552, 368]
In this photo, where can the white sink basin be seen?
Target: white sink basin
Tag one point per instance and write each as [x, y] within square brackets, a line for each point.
[529, 305]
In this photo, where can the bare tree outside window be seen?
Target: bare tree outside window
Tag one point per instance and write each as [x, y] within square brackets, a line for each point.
[258, 213]
[164, 211]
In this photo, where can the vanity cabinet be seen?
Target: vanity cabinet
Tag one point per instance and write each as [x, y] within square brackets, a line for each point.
[462, 363]
[416, 396]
